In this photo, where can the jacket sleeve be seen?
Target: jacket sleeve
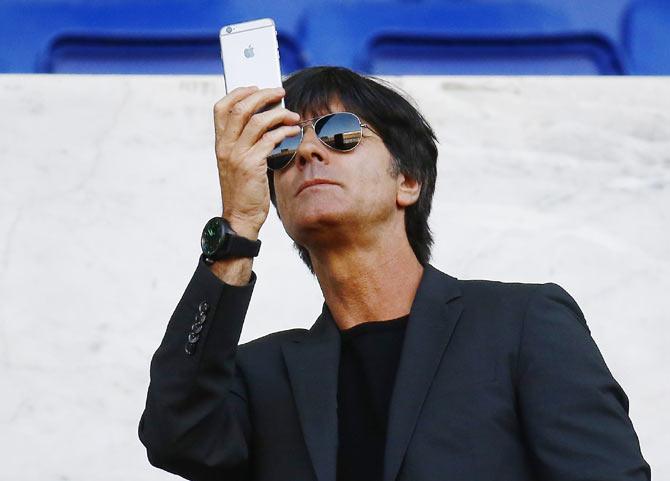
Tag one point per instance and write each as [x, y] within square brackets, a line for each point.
[196, 420]
[574, 413]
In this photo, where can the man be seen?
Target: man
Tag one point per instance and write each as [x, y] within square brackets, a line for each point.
[408, 374]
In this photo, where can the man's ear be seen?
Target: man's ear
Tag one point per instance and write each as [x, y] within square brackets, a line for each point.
[408, 190]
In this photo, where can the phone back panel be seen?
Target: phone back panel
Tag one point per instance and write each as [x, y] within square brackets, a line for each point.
[250, 55]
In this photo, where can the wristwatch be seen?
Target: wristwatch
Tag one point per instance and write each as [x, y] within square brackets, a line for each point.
[220, 241]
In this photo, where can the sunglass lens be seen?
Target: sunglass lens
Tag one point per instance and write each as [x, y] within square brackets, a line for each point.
[340, 130]
[283, 153]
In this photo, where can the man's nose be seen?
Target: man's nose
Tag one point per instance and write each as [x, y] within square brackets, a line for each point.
[310, 148]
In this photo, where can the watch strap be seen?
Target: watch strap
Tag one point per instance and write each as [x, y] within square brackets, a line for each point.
[239, 246]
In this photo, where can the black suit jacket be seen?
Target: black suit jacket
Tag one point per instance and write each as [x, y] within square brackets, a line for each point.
[497, 381]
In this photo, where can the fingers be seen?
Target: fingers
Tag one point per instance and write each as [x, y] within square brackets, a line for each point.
[262, 122]
[235, 112]
[222, 107]
[269, 140]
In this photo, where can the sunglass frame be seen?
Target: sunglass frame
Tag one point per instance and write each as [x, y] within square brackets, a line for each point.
[313, 122]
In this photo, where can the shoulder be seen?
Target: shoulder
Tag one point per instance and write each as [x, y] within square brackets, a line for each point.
[274, 338]
[489, 292]
[436, 274]
[267, 346]
[496, 290]
[494, 295]
[504, 302]
[529, 302]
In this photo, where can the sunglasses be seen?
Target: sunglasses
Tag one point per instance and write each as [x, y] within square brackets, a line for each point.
[341, 131]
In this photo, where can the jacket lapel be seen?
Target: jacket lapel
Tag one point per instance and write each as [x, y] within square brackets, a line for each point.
[313, 362]
[433, 316]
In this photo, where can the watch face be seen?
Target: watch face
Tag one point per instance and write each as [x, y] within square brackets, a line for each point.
[212, 236]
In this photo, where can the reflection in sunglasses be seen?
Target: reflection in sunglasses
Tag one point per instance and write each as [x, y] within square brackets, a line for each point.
[343, 141]
[341, 131]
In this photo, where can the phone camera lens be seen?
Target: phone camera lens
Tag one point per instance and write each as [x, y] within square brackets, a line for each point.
[229, 29]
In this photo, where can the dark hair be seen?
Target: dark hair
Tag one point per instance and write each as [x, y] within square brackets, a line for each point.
[405, 132]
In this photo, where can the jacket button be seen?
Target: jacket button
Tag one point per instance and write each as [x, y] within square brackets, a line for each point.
[193, 338]
[200, 317]
[203, 307]
[189, 348]
[196, 328]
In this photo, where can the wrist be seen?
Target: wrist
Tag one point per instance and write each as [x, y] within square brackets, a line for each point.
[242, 228]
[236, 271]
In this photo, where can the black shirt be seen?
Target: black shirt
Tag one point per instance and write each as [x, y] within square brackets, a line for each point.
[369, 358]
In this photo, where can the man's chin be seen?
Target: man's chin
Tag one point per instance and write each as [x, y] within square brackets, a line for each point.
[317, 226]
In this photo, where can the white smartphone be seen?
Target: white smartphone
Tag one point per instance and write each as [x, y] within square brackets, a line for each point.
[250, 55]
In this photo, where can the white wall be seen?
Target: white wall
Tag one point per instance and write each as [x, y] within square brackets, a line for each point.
[107, 181]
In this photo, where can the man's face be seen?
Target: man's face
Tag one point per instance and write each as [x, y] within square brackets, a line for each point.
[363, 197]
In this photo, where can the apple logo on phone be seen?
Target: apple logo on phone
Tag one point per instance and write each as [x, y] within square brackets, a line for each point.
[249, 52]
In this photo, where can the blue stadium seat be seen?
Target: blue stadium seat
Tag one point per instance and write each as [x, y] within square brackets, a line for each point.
[149, 37]
[507, 38]
[647, 37]
[373, 36]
